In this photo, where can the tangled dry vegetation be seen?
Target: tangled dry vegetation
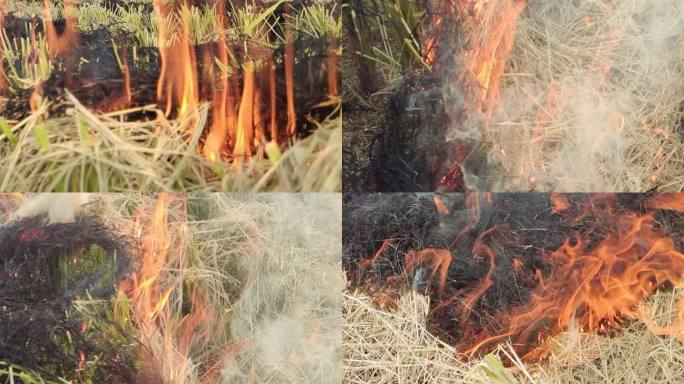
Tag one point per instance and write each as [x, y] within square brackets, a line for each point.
[221, 290]
[383, 346]
[86, 151]
[592, 98]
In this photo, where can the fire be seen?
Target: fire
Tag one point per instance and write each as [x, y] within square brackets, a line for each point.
[289, 79]
[224, 117]
[441, 207]
[492, 27]
[146, 290]
[69, 40]
[594, 285]
[4, 85]
[167, 338]
[598, 288]
[333, 88]
[671, 201]
[245, 125]
[177, 85]
[242, 88]
[37, 95]
[560, 203]
[238, 108]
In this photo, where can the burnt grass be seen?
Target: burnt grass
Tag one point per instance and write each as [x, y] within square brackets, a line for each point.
[91, 73]
[529, 227]
[39, 329]
[396, 129]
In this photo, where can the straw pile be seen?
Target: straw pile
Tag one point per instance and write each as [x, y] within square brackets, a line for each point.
[381, 346]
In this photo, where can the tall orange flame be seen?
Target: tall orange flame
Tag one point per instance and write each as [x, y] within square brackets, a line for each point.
[224, 117]
[333, 58]
[4, 85]
[37, 94]
[177, 86]
[492, 27]
[168, 340]
[289, 78]
[66, 44]
[245, 125]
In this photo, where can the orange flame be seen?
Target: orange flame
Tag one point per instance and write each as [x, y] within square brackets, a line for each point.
[69, 40]
[670, 201]
[560, 203]
[4, 85]
[245, 126]
[597, 288]
[492, 31]
[66, 44]
[37, 94]
[333, 58]
[289, 79]
[594, 285]
[441, 207]
[177, 86]
[168, 340]
[224, 118]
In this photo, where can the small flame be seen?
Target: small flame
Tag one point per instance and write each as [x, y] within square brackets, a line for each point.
[69, 40]
[441, 207]
[560, 203]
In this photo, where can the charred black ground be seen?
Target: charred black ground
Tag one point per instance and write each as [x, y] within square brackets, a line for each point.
[528, 226]
[395, 136]
[38, 327]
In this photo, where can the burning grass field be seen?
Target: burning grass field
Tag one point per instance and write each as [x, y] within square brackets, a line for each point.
[170, 288]
[508, 288]
[169, 96]
[514, 95]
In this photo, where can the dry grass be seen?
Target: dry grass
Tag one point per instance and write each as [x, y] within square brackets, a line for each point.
[267, 267]
[592, 98]
[394, 347]
[84, 151]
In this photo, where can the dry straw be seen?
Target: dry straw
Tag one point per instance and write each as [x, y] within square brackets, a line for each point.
[592, 98]
[382, 346]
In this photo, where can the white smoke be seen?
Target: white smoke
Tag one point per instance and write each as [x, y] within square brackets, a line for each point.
[59, 207]
[286, 264]
[592, 99]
